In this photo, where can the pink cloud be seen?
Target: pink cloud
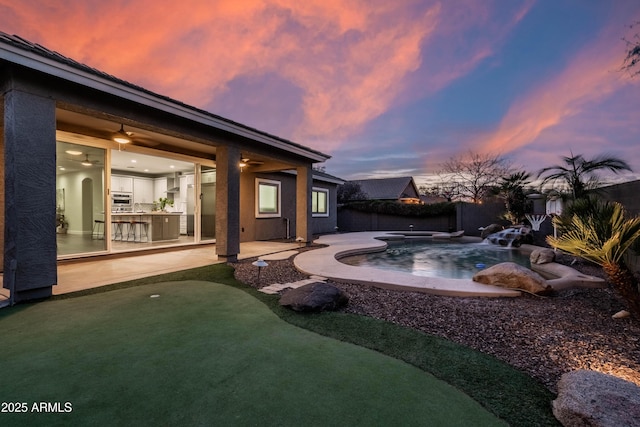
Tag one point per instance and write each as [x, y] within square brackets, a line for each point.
[349, 60]
[547, 114]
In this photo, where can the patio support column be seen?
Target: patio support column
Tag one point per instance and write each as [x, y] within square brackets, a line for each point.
[30, 265]
[304, 182]
[228, 203]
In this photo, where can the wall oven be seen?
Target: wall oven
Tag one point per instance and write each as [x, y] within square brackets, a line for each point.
[121, 202]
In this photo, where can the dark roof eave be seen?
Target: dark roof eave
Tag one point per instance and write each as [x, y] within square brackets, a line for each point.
[18, 51]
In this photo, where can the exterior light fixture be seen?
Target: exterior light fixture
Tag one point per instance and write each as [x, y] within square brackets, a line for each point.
[243, 164]
[121, 137]
[259, 263]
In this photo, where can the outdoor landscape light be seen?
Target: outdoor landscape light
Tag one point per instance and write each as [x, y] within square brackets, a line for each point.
[260, 263]
[121, 137]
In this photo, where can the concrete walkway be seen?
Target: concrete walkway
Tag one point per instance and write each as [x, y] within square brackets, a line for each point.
[324, 262]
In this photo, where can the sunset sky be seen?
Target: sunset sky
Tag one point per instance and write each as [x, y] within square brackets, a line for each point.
[388, 88]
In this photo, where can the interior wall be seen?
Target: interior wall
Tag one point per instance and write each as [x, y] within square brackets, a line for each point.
[72, 184]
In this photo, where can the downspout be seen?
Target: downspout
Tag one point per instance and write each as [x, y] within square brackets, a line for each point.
[288, 231]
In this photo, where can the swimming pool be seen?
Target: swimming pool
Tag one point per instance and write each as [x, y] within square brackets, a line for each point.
[433, 258]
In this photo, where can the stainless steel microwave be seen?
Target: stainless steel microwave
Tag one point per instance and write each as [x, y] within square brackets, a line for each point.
[122, 200]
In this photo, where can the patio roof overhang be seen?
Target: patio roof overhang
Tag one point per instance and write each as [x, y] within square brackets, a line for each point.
[15, 50]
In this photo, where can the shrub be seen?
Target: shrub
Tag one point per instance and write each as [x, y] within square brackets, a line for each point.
[401, 209]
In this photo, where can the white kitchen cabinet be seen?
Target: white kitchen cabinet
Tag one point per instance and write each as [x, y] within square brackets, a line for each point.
[143, 190]
[159, 188]
[121, 183]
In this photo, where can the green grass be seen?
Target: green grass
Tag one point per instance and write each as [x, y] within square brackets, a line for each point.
[504, 391]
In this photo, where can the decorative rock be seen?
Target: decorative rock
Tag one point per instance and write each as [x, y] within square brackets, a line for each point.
[314, 297]
[542, 256]
[621, 314]
[515, 276]
[589, 398]
[490, 229]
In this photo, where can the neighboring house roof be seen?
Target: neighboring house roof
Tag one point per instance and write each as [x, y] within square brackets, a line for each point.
[17, 50]
[388, 188]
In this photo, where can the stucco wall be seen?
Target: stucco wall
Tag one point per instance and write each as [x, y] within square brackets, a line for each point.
[252, 228]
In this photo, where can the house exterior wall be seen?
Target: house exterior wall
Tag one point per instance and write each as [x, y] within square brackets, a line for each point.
[283, 227]
[325, 225]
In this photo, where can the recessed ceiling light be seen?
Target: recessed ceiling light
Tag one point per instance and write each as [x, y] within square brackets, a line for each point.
[134, 161]
[73, 152]
[172, 166]
[146, 170]
[62, 169]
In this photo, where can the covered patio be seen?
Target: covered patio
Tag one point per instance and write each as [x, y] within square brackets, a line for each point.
[240, 184]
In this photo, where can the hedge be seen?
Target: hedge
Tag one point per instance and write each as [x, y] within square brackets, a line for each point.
[401, 209]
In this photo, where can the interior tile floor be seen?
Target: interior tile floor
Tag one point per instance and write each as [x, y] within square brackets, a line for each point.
[94, 272]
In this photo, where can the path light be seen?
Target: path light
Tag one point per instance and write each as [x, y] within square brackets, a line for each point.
[411, 227]
[300, 241]
[259, 263]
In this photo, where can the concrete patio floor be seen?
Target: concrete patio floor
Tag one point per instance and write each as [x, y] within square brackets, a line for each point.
[91, 273]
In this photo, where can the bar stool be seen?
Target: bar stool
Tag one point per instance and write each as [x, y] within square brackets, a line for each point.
[132, 231]
[98, 229]
[117, 229]
[144, 230]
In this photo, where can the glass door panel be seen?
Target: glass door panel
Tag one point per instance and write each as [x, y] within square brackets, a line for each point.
[208, 203]
[80, 199]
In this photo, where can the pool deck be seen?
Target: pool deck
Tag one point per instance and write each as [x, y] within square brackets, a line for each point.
[324, 262]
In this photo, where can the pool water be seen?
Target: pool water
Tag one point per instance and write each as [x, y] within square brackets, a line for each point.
[439, 259]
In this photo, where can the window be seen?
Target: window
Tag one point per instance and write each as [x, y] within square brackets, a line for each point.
[320, 202]
[268, 194]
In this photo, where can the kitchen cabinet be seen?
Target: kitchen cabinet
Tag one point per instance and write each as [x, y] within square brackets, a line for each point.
[165, 227]
[122, 184]
[159, 188]
[143, 190]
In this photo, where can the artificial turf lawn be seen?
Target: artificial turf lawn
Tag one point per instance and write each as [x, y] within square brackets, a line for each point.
[208, 354]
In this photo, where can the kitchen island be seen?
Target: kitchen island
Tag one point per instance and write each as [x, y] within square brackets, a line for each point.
[145, 226]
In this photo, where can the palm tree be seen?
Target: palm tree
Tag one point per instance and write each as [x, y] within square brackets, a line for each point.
[511, 190]
[586, 239]
[579, 173]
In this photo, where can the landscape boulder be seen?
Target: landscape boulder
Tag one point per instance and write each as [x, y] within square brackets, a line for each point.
[314, 297]
[542, 256]
[589, 398]
[514, 276]
[490, 229]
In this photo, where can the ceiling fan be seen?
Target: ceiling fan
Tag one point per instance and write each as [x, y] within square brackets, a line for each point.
[87, 162]
[124, 138]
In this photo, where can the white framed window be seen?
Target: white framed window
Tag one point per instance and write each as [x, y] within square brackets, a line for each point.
[320, 202]
[267, 198]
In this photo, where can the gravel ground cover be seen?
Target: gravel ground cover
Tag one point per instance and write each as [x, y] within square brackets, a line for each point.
[542, 336]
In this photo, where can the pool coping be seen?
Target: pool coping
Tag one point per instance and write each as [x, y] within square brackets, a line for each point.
[324, 262]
